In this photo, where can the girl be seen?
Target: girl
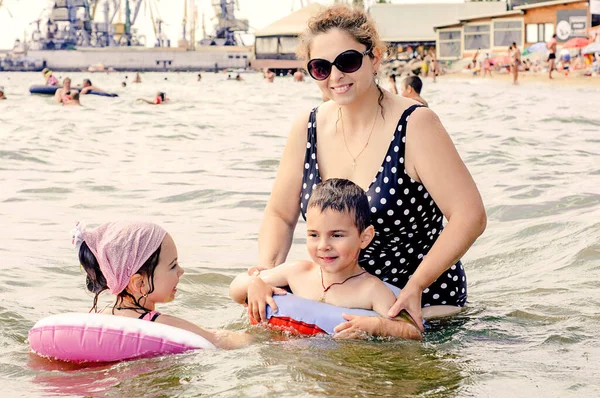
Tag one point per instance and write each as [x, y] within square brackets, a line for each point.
[137, 262]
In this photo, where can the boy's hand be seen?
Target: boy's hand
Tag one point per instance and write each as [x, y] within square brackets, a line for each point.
[357, 327]
[260, 294]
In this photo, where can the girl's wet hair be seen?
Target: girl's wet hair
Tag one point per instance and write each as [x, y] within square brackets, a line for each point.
[343, 196]
[353, 21]
[96, 282]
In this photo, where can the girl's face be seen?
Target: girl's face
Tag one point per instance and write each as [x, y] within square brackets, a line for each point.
[167, 273]
[342, 87]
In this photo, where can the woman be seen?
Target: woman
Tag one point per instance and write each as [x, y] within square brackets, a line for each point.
[397, 151]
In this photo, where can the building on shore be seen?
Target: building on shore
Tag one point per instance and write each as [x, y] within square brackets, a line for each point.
[275, 45]
[404, 25]
[525, 25]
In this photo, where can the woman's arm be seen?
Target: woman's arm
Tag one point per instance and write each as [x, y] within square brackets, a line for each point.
[282, 210]
[433, 160]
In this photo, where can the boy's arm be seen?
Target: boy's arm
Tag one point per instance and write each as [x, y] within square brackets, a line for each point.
[276, 277]
[382, 300]
[259, 290]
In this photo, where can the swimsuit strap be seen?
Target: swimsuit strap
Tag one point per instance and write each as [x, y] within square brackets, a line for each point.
[149, 316]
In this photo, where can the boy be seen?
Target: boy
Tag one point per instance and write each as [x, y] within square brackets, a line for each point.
[411, 88]
[338, 227]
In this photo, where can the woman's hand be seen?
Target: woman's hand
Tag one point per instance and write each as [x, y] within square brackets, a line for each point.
[409, 300]
[357, 327]
[260, 294]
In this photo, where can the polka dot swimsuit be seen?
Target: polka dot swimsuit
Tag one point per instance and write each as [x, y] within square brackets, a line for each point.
[406, 219]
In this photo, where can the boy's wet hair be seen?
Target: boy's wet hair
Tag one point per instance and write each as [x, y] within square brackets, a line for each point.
[96, 282]
[343, 196]
[415, 82]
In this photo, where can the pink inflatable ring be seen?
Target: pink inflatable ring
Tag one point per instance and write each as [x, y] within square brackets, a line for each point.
[77, 337]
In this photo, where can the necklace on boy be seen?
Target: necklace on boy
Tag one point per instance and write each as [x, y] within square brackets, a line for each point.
[325, 289]
[354, 158]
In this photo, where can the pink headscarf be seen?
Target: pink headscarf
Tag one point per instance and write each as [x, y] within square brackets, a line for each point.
[121, 248]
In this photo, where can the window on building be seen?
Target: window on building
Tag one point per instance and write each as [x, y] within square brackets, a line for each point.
[266, 45]
[539, 32]
[449, 43]
[287, 45]
[477, 36]
[507, 32]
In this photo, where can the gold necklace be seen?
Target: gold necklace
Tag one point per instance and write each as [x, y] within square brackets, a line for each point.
[325, 289]
[354, 158]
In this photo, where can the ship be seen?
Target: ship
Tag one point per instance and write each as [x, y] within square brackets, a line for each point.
[100, 35]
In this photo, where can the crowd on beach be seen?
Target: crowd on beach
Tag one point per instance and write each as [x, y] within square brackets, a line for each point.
[567, 61]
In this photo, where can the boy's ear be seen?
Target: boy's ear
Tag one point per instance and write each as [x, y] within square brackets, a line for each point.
[367, 236]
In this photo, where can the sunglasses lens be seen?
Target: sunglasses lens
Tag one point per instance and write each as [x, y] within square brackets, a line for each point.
[349, 61]
[319, 69]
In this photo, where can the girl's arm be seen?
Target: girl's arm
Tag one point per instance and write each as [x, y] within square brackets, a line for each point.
[282, 210]
[220, 338]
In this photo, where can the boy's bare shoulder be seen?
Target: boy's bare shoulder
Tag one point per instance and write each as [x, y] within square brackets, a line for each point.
[375, 284]
[301, 265]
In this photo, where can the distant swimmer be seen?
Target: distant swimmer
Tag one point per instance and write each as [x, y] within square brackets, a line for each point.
[411, 88]
[298, 76]
[123, 84]
[2, 96]
[392, 81]
[199, 76]
[138, 79]
[270, 76]
[87, 87]
[239, 78]
[161, 98]
[61, 94]
[50, 79]
[72, 99]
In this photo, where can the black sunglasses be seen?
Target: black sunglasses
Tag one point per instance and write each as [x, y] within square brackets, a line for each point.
[347, 62]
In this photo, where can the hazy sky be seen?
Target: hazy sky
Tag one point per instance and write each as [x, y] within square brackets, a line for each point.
[260, 13]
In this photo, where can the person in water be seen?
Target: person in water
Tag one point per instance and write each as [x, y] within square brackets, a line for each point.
[270, 76]
[338, 224]
[138, 263]
[71, 98]
[49, 77]
[160, 98]
[199, 77]
[420, 181]
[298, 76]
[137, 79]
[2, 96]
[392, 82]
[551, 46]
[239, 78]
[411, 88]
[87, 87]
[62, 94]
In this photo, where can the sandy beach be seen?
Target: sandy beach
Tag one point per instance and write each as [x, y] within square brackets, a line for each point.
[558, 78]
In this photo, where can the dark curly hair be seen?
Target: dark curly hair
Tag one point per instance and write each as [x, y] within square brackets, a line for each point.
[96, 282]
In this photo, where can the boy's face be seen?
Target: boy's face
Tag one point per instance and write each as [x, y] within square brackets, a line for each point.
[333, 240]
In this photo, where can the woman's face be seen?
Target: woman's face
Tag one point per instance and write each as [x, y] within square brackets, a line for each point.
[342, 87]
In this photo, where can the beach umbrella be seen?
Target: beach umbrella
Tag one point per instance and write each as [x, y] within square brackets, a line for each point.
[592, 48]
[577, 42]
[536, 48]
